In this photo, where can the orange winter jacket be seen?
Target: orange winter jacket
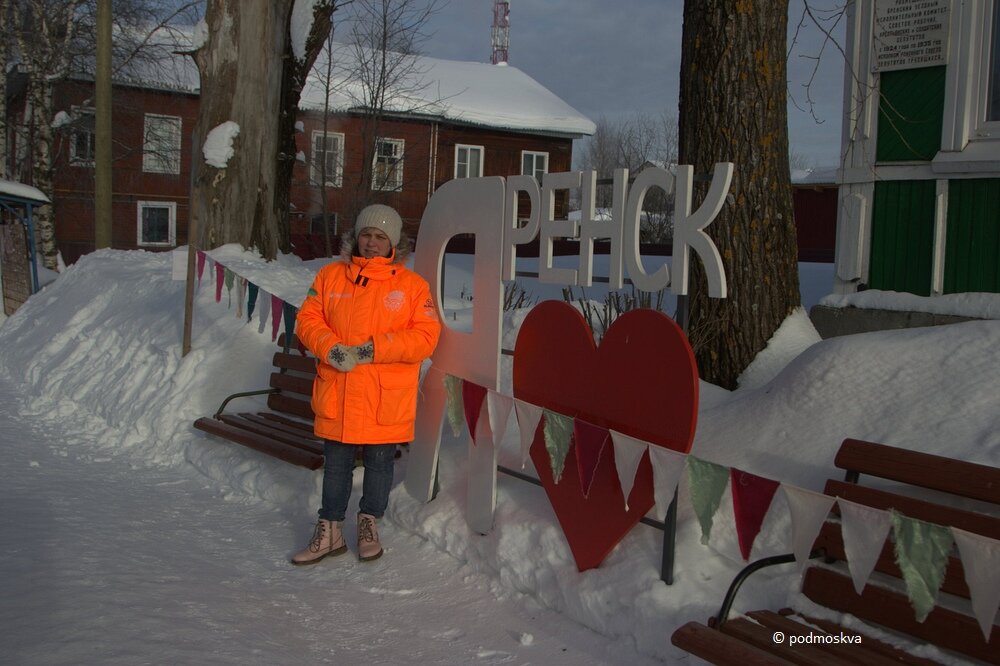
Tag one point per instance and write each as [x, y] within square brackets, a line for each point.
[350, 301]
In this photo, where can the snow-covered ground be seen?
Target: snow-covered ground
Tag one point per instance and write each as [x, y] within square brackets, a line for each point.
[128, 537]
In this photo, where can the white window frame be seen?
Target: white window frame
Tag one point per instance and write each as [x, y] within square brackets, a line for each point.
[535, 171]
[395, 184]
[163, 157]
[336, 178]
[468, 150]
[74, 159]
[171, 206]
[990, 58]
[969, 141]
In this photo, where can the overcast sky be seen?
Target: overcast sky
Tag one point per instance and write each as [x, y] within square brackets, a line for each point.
[612, 58]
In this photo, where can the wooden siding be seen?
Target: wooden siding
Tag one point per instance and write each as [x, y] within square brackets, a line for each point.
[74, 185]
[902, 241]
[972, 248]
[910, 114]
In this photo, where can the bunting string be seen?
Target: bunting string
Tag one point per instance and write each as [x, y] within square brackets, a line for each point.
[250, 298]
[921, 549]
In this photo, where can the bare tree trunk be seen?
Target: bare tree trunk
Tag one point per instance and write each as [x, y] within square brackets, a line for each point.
[240, 67]
[293, 80]
[46, 59]
[733, 109]
[250, 76]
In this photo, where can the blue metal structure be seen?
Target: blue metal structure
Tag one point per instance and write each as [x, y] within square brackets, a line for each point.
[20, 201]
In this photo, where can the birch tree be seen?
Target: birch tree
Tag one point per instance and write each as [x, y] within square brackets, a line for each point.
[48, 41]
[44, 34]
[733, 108]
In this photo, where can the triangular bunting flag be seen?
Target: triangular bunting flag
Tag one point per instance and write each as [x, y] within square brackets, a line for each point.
[251, 299]
[752, 496]
[809, 511]
[628, 453]
[590, 440]
[264, 301]
[981, 562]
[528, 416]
[241, 294]
[558, 435]
[230, 278]
[201, 264]
[220, 279]
[277, 308]
[864, 530]
[472, 405]
[290, 312]
[708, 483]
[453, 402]
[498, 407]
[668, 465]
[922, 555]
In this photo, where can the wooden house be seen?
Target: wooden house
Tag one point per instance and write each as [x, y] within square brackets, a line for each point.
[919, 202]
[459, 119]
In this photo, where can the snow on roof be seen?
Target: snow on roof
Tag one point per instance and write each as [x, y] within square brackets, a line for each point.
[471, 93]
[22, 191]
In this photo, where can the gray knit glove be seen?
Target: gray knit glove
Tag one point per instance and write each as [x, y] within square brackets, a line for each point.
[342, 358]
[364, 353]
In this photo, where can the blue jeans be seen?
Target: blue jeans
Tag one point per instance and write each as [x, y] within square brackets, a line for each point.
[338, 477]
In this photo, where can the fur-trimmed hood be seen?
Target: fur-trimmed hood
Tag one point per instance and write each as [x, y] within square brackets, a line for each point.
[348, 245]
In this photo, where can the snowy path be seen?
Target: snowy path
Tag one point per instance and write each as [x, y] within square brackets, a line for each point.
[102, 561]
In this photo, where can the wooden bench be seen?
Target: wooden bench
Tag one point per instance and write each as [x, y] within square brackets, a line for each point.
[285, 432]
[748, 639]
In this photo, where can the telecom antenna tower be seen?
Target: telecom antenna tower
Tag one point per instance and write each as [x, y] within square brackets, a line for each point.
[501, 31]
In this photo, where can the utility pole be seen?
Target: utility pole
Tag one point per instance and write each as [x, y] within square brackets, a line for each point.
[102, 129]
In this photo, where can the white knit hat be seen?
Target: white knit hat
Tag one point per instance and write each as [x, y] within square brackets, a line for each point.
[380, 217]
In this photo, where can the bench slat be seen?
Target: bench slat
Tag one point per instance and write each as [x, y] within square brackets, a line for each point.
[914, 508]
[290, 405]
[943, 627]
[831, 540]
[285, 452]
[926, 470]
[295, 439]
[306, 427]
[894, 653]
[292, 383]
[863, 651]
[762, 637]
[718, 648]
[294, 361]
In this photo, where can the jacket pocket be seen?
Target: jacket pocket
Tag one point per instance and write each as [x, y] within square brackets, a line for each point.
[397, 401]
[325, 402]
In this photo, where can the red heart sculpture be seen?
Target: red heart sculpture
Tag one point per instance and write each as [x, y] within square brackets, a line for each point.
[642, 381]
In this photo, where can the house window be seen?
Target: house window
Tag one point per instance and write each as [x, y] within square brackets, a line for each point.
[993, 101]
[534, 164]
[327, 153]
[157, 223]
[468, 161]
[387, 169]
[316, 225]
[82, 142]
[161, 144]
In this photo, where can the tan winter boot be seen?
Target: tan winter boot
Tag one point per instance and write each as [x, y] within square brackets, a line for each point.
[327, 540]
[369, 547]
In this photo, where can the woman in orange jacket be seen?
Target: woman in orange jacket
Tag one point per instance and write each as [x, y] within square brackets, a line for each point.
[371, 322]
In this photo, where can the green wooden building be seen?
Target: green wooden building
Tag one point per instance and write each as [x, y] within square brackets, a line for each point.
[919, 202]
